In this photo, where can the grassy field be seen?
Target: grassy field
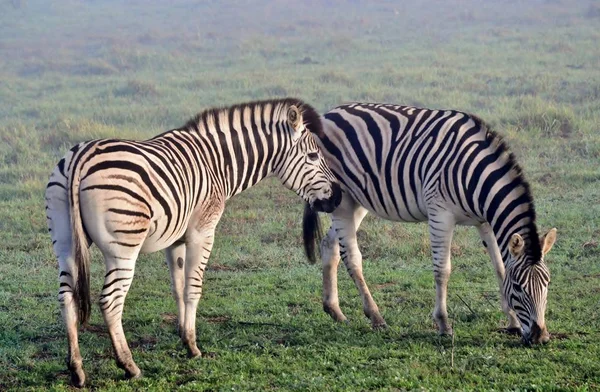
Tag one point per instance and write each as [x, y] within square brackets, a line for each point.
[75, 70]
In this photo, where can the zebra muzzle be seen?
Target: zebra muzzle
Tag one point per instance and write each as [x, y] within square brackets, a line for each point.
[331, 203]
[537, 335]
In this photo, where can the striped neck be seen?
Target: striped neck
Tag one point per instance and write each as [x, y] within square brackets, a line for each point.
[243, 143]
[505, 200]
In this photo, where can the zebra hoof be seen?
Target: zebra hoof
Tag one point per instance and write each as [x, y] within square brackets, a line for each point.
[78, 378]
[76, 370]
[132, 371]
[133, 376]
[335, 313]
[194, 353]
[379, 325]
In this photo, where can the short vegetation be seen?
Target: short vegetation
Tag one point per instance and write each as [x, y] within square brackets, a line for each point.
[76, 70]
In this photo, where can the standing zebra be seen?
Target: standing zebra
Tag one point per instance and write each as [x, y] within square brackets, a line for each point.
[169, 193]
[444, 167]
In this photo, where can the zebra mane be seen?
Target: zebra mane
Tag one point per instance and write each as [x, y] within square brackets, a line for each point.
[310, 117]
[504, 155]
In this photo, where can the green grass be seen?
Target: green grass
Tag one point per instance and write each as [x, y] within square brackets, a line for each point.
[75, 70]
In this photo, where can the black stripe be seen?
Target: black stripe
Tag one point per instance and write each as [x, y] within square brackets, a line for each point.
[119, 188]
[111, 293]
[124, 244]
[58, 184]
[134, 231]
[128, 213]
[107, 285]
[61, 167]
[117, 269]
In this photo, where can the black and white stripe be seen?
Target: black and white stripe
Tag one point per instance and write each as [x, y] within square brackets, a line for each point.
[168, 193]
[441, 166]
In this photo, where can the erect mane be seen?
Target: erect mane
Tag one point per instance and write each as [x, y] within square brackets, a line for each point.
[505, 156]
[310, 117]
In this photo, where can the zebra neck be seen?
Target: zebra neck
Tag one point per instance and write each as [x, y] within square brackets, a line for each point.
[522, 222]
[242, 159]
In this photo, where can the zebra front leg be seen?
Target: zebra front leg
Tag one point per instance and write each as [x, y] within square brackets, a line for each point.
[175, 255]
[490, 243]
[330, 257]
[117, 282]
[68, 309]
[441, 228]
[346, 220]
[199, 243]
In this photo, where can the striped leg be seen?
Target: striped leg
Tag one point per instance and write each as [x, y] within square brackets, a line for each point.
[68, 309]
[346, 220]
[489, 240]
[117, 281]
[441, 228]
[176, 262]
[330, 257]
[199, 243]
[59, 224]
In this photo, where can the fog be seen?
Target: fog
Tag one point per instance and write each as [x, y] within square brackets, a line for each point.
[325, 51]
[51, 30]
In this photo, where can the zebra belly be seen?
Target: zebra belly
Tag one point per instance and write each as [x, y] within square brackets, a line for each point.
[158, 238]
[392, 206]
[416, 215]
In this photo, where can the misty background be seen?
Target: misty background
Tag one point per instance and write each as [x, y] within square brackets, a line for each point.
[168, 60]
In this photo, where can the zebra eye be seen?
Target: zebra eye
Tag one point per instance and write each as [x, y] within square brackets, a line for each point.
[313, 156]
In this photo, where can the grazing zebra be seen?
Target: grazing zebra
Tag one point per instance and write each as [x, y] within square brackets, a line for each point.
[169, 193]
[444, 167]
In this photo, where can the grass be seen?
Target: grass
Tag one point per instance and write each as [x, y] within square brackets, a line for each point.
[72, 71]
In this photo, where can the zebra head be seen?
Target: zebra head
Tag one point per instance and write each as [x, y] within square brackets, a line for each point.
[526, 286]
[303, 168]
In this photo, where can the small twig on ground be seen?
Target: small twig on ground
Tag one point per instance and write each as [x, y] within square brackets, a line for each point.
[452, 350]
[487, 299]
[255, 323]
[466, 304]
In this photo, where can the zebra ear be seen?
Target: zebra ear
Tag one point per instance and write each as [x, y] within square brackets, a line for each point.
[547, 241]
[516, 245]
[295, 118]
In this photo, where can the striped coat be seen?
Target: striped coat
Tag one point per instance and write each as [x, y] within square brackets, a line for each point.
[444, 167]
[169, 192]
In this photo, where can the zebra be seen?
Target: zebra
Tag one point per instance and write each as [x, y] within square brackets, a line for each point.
[444, 167]
[169, 192]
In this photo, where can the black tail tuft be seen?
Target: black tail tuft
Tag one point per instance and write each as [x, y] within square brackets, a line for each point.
[312, 232]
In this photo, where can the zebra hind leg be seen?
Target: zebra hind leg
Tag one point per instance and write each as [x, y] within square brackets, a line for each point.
[68, 309]
[330, 257]
[175, 255]
[59, 225]
[117, 282]
[441, 228]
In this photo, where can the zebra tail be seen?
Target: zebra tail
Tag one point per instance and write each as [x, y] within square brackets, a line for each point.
[312, 232]
[81, 253]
